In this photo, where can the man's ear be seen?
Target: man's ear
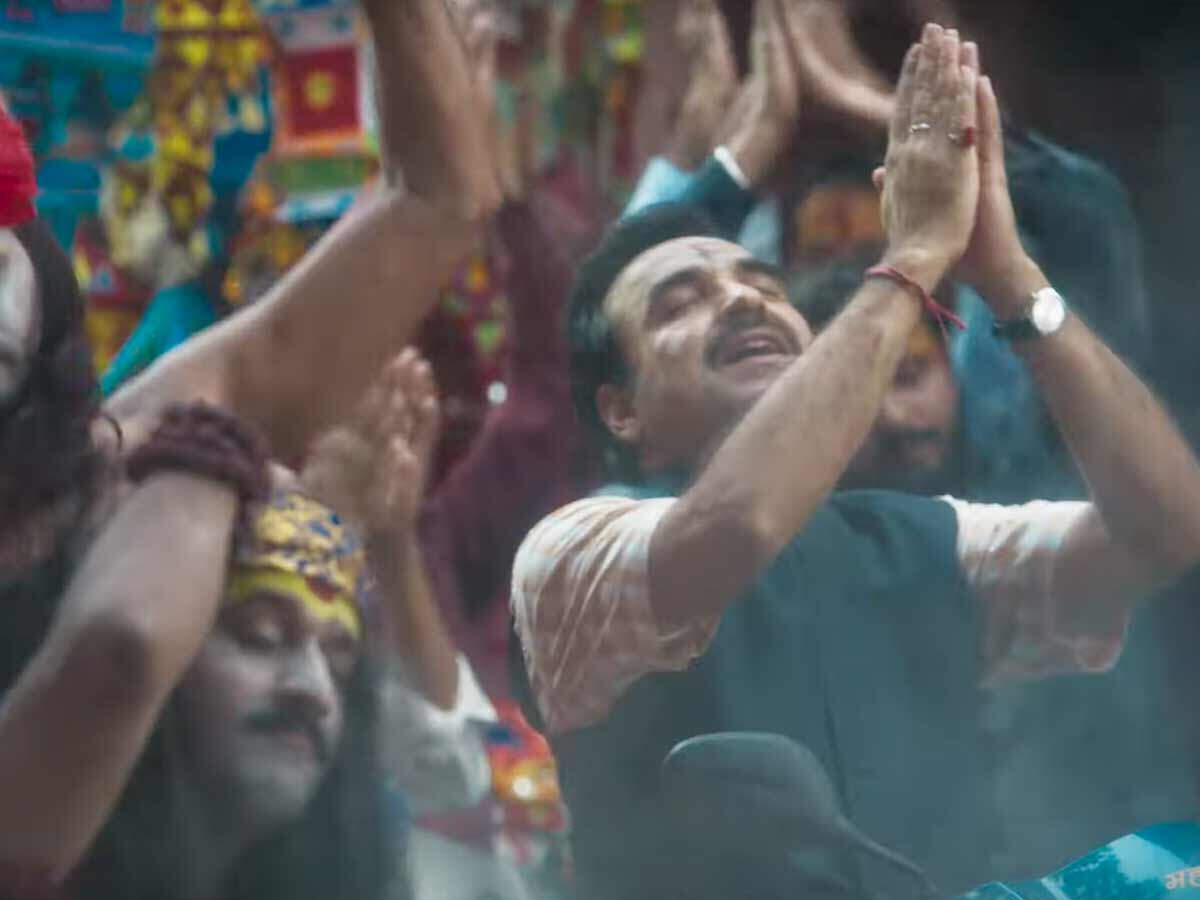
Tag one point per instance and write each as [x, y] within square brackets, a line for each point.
[615, 406]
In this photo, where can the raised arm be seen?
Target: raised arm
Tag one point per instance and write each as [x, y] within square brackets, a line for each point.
[372, 470]
[74, 724]
[1143, 528]
[755, 122]
[293, 362]
[758, 491]
[809, 85]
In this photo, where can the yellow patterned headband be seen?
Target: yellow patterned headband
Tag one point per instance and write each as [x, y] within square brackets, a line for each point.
[296, 545]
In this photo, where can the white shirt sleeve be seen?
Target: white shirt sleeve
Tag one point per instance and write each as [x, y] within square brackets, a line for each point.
[581, 606]
[580, 602]
[437, 757]
[1009, 554]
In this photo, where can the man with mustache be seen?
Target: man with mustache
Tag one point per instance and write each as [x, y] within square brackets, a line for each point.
[962, 417]
[721, 586]
[270, 703]
[200, 718]
[916, 444]
[269, 736]
[94, 635]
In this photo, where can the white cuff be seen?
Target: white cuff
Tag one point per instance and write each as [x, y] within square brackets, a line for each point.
[662, 181]
[472, 702]
[723, 155]
[438, 757]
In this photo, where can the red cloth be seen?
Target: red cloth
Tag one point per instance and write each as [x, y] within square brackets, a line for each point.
[522, 464]
[18, 185]
[321, 91]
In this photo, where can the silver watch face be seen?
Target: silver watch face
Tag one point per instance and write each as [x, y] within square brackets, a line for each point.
[1048, 312]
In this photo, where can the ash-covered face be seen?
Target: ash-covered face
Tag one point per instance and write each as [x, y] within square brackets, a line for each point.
[20, 315]
[706, 328]
[262, 709]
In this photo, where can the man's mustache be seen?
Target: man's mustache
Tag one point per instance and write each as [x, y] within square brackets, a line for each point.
[739, 325]
[277, 720]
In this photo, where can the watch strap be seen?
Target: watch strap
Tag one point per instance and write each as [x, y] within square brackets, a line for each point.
[1021, 329]
[1027, 326]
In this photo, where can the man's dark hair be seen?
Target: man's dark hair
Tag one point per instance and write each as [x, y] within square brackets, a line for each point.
[821, 294]
[45, 430]
[348, 845]
[595, 354]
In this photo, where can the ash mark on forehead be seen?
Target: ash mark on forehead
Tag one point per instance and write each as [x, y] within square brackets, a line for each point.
[662, 260]
[714, 254]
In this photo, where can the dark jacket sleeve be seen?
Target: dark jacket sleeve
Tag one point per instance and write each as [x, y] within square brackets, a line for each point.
[714, 191]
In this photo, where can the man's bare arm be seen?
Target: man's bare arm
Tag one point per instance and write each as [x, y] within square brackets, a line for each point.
[1144, 527]
[782, 460]
[299, 358]
[373, 470]
[775, 468]
[74, 724]
[432, 118]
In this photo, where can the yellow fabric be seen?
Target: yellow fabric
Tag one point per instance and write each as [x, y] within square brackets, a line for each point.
[324, 606]
[294, 535]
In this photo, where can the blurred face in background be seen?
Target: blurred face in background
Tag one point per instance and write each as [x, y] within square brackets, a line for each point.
[914, 444]
[831, 220]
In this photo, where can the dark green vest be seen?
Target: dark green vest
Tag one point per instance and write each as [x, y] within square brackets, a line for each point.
[860, 641]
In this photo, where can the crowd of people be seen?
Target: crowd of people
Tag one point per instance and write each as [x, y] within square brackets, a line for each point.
[824, 437]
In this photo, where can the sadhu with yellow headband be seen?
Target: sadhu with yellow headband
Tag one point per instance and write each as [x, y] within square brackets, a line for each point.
[296, 546]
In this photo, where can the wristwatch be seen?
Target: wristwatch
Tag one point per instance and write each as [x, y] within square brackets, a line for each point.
[1045, 315]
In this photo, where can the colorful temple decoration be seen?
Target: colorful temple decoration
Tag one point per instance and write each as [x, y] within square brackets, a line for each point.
[319, 75]
[158, 111]
[265, 246]
[115, 303]
[179, 159]
[72, 64]
[125, 100]
[68, 70]
[321, 152]
[205, 82]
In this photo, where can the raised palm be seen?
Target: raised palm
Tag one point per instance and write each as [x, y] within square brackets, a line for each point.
[994, 246]
[373, 469]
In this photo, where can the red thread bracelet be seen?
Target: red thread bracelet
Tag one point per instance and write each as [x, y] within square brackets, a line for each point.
[940, 314]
